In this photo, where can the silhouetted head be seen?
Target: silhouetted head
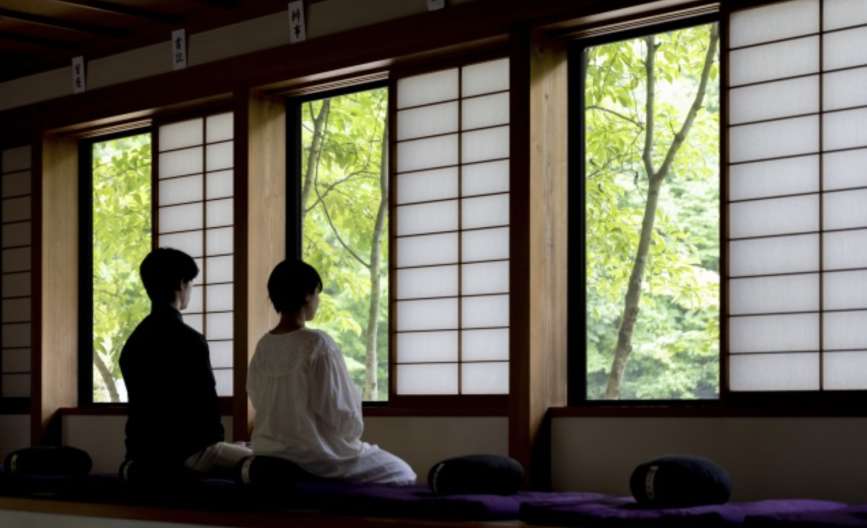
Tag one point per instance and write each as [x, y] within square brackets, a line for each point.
[167, 272]
[295, 285]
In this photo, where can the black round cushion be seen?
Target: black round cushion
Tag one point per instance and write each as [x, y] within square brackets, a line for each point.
[476, 474]
[48, 461]
[267, 471]
[680, 481]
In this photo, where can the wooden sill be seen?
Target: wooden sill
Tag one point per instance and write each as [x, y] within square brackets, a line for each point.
[120, 409]
[755, 406]
[422, 406]
[283, 519]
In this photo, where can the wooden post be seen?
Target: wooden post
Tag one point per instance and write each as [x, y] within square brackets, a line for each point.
[263, 128]
[539, 223]
[55, 354]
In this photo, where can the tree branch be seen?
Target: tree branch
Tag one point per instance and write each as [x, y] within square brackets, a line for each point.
[107, 378]
[331, 187]
[697, 103]
[615, 113]
[320, 127]
[337, 233]
[649, 63]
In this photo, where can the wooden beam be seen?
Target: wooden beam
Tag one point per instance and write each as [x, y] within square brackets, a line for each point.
[265, 203]
[38, 42]
[359, 51]
[55, 367]
[123, 10]
[55, 23]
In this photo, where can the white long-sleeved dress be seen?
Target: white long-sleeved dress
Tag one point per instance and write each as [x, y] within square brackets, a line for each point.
[309, 412]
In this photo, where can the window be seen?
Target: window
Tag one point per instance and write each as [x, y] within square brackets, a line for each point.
[196, 215]
[120, 227]
[16, 270]
[451, 239]
[130, 207]
[797, 311]
[344, 221]
[647, 134]
[411, 181]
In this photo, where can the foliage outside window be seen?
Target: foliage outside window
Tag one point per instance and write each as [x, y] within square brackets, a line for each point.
[121, 176]
[344, 208]
[651, 191]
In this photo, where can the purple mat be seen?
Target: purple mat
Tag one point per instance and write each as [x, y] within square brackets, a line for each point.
[419, 501]
[853, 516]
[624, 512]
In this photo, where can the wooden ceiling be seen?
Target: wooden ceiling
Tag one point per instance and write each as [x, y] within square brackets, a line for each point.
[39, 35]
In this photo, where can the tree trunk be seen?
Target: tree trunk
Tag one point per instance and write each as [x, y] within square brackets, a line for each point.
[371, 382]
[106, 376]
[655, 180]
[314, 154]
[633, 293]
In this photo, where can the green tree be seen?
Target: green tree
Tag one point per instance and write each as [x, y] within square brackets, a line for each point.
[344, 196]
[651, 191]
[121, 238]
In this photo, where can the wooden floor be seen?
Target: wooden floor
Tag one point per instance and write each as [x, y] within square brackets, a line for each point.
[287, 519]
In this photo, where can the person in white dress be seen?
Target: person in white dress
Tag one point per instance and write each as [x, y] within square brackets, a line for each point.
[307, 410]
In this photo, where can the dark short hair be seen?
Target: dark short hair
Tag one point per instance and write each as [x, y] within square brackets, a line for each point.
[163, 270]
[290, 283]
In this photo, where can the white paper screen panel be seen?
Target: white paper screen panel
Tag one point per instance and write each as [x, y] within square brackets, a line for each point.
[774, 333]
[845, 130]
[842, 170]
[776, 216]
[766, 179]
[841, 330]
[774, 22]
[427, 379]
[196, 215]
[845, 370]
[844, 89]
[844, 13]
[844, 250]
[765, 256]
[844, 49]
[452, 247]
[774, 139]
[845, 290]
[427, 121]
[774, 100]
[774, 294]
[774, 372]
[775, 61]
[427, 185]
[485, 378]
[427, 347]
[16, 303]
[796, 181]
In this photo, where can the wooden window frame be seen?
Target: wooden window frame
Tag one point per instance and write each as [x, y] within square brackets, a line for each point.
[493, 404]
[294, 160]
[85, 262]
[86, 405]
[728, 403]
[577, 364]
[396, 405]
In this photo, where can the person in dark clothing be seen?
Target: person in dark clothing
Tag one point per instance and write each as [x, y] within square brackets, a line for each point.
[174, 417]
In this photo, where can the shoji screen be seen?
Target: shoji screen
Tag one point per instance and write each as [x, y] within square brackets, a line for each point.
[452, 231]
[798, 196]
[17, 201]
[196, 215]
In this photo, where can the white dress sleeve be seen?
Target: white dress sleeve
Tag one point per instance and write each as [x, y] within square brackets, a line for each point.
[334, 398]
